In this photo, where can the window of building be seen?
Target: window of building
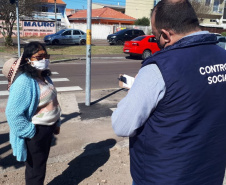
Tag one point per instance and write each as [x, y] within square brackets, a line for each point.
[224, 16]
[44, 9]
[207, 2]
[216, 5]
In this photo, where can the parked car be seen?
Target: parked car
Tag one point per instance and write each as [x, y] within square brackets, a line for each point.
[124, 35]
[143, 46]
[66, 36]
[221, 41]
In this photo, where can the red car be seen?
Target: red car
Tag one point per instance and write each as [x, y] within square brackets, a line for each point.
[144, 46]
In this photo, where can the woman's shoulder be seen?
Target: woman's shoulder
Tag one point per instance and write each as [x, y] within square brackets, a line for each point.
[22, 80]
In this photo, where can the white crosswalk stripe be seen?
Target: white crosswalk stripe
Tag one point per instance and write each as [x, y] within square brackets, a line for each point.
[72, 88]
[59, 89]
[60, 79]
[53, 79]
[112, 109]
[4, 93]
[3, 82]
[53, 73]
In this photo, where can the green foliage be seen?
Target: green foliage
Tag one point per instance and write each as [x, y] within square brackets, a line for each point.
[8, 15]
[223, 33]
[144, 21]
[8, 41]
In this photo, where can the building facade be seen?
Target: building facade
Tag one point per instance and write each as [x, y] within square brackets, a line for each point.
[139, 9]
[211, 13]
[48, 12]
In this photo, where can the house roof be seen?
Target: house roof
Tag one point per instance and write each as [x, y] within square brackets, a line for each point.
[53, 1]
[110, 6]
[69, 12]
[68, 9]
[102, 13]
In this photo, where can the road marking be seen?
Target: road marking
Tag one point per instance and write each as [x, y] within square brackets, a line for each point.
[4, 93]
[72, 88]
[60, 79]
[113, 109]
[54, 73]
[59, 89]
[3, 82]
[53, 79]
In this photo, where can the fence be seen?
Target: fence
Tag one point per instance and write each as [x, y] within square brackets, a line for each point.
[30, 28]
[100, 31]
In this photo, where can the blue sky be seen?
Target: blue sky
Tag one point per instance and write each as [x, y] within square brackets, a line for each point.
[82, 4]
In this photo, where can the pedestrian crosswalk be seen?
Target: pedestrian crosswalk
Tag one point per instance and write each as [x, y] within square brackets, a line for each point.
[4, 82]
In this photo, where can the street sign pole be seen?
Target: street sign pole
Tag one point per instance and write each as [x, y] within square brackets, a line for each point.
[88, 52]
[55, 18]
[18, 27]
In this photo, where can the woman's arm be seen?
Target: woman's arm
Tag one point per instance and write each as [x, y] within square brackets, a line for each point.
[21, 104]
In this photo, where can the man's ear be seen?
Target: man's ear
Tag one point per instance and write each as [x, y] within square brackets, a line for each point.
[166, 35]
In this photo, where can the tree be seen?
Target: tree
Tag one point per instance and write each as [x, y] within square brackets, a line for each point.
[202, 9]
[8, 15]
[144, 21]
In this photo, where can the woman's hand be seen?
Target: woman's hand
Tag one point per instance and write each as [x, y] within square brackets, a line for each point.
[57, 130]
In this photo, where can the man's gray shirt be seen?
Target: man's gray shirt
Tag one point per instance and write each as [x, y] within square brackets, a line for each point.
[141, 100]
[147, 90]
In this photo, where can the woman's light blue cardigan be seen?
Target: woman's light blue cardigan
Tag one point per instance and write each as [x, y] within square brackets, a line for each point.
[22, 104]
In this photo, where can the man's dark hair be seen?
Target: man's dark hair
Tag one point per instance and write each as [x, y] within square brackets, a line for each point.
[178, 16]
[29, 50]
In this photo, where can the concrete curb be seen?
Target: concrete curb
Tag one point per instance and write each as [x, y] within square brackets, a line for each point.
[84, 58]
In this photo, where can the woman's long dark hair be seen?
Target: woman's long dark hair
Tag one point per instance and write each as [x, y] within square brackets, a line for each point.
[29, 50]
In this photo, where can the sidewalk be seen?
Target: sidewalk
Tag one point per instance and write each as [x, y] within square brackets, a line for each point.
[86, 152]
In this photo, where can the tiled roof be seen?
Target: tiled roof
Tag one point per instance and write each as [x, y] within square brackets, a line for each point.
[109, 5]
[53, 1]
[102, 13]
[68, 9]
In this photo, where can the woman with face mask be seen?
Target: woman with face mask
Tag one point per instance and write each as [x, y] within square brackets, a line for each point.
[33, 111]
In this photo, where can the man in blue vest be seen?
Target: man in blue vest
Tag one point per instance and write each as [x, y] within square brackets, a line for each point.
[175, 112]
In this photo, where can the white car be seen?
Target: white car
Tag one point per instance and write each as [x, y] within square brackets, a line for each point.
[66, 36]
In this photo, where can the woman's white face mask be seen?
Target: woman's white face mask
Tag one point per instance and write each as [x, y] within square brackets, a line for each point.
[40, 64]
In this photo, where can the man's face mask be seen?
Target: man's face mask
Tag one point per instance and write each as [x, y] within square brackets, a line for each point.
[158, 42]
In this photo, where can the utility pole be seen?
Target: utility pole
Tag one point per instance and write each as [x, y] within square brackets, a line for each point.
[18, 24]
[18, 27]
[88, 52]
[55, 18]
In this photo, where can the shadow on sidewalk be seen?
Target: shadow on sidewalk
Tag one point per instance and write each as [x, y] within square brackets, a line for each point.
[66, 117]
[94, 102]
[97, 109]
[9, 160]
[94, 156]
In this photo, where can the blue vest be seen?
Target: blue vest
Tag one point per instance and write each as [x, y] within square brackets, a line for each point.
[183, 142]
